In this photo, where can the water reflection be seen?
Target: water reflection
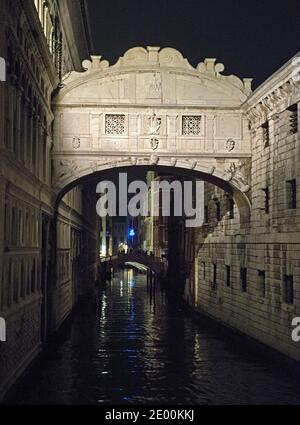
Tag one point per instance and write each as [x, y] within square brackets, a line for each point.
[141, 347]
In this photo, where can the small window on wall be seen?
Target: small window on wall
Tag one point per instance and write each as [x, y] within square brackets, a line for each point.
[262, 283]
[291, 193]
[227, 276]
[293, 118]
[267, 200]
[218, 211]
[214, 278]
[114, 124]
[231, 208]
[288, 289]
[203, 270]
[191, 125]
[244, 283]
[266, 134]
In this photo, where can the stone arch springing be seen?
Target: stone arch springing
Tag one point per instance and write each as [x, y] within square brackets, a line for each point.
[242, 199]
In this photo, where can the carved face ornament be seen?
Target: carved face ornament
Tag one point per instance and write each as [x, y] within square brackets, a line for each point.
[230, 145]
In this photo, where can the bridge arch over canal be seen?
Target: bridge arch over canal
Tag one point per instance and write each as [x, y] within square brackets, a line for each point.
[153, 109]
[155, 264]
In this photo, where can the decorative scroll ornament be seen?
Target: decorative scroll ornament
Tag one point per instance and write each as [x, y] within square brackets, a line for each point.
[76, 142]
[230, 145]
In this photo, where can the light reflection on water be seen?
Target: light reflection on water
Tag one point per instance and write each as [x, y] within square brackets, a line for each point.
[141, 347]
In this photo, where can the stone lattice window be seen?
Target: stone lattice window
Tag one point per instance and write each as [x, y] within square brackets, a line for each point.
[191, 125]
[114, 124]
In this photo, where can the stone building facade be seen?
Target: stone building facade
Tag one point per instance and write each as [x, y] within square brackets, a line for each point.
[63, 125]
[153, 109]
[247, 275]
[40, 41]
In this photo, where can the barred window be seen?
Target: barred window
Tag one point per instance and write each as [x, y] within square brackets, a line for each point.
[293, 118]
[288, 289]
[114, 124]
[218, 211]
[262, 283]
[267, 199]
[231, 208]
[291, 192]
[227, 276]
[191, 125]
[203, 270]
[214, 283]
[244, 284]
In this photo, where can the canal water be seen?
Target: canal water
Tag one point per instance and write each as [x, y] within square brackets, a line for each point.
[136, 345]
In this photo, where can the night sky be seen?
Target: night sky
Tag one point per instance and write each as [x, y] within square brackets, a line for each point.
[252, 38]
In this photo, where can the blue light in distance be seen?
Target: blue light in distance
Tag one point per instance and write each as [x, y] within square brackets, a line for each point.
[131, 232]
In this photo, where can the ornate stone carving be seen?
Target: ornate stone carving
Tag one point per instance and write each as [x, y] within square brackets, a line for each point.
[211, 170]
[154, 124]
[191, 125]
[63, 169]
[229, 172]
[173, 162]
[210, 66]
[153, 160]
[94, 63]
[115, 124]
[154, 143]
[229, 145]
[236, 171]
[153, 87]
[76, 143]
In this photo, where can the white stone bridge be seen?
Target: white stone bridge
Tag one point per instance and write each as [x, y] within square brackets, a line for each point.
[153, 109]
[155, 264]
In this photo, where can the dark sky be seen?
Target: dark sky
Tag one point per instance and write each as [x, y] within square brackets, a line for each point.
[252, 38]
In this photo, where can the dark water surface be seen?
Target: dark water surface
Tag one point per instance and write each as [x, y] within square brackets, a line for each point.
[140, 347]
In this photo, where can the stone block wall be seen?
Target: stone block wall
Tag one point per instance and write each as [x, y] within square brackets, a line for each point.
[250, 279]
